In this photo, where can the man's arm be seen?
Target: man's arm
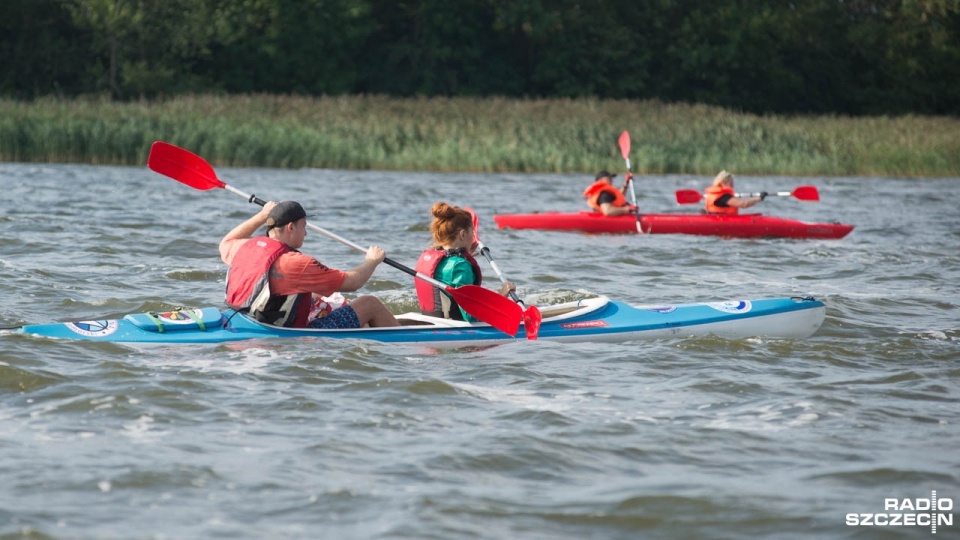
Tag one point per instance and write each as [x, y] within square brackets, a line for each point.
[611, 210]
[605, 200]
[359, 276]
[244, 230]
[737, 202]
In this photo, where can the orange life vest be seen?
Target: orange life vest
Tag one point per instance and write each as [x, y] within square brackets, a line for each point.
[593, 193]
[248, 285]
[712, 194]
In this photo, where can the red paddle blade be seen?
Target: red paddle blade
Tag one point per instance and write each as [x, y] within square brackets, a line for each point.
[531, 322]
[531, 316]
[624, 145]
[183, 166]
[476, 225]
[688, 196]
[807, 193]
[488, 306]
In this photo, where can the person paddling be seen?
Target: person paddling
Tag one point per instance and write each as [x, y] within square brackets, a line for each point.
[720, 198]
[277, 284]
[606, 199]
[450, 261]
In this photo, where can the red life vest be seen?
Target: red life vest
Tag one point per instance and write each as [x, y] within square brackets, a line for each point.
[593, 192]
[712, 194]
[248, 285]
[433, 301]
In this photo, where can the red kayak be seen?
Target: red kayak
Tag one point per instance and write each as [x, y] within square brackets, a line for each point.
[730, 226]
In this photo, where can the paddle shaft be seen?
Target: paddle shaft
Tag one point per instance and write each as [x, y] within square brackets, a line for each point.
[633, 194]
[624, 143]
[774, 194]
[256, 200]
[485, 251]
[803, 193]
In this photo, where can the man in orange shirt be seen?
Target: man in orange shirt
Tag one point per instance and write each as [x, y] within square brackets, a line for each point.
[276, 284]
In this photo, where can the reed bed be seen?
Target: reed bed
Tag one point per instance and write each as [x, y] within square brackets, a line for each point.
[476, 134]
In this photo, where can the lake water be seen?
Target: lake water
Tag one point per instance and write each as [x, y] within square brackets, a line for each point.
[682, 438]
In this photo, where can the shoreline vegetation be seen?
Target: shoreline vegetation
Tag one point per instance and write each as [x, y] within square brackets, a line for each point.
[465, 134]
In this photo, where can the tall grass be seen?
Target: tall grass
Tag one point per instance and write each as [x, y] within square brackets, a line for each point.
[476, 134]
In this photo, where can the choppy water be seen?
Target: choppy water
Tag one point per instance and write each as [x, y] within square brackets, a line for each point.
[692, 438]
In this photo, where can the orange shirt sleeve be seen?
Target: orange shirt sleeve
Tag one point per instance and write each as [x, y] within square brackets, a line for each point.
[295, 272]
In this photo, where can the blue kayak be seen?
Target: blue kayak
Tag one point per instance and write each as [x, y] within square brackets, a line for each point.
[592, 319]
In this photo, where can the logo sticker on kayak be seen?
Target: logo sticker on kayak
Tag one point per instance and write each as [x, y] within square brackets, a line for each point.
[732, 306]
[584, 324]
[179, 316]
[93, 328]
[663, 309]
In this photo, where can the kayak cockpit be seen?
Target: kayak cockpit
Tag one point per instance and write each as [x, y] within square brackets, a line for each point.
[554, 312]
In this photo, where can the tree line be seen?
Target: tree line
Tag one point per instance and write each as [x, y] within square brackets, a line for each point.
[850, 57]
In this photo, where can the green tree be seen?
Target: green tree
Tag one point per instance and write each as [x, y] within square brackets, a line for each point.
[504, 47]
[907, 55]
[144, 48]
[433, 47]
[572, 49]
[38, 53]
[851, 56]
[288, 46]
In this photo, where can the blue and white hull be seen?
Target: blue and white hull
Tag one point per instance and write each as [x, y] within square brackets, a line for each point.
[594, 319]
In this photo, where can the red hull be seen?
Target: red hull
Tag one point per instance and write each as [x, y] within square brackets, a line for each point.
[736, 226]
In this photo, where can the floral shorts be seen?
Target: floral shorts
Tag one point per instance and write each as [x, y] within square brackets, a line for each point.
[344, 317]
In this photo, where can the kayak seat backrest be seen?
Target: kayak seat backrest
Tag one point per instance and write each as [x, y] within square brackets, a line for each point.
[182, 319]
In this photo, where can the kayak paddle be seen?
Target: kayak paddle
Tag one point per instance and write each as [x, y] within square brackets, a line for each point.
[531, 315]
[190, 169]
[803, 193]
[624, 143]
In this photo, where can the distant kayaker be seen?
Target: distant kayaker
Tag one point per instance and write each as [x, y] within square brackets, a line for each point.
[450, 261]
[720, 199]
[604, 198]
[279, 285]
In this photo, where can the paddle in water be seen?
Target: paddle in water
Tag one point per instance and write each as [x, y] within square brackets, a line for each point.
[190, 169]
[531, 315]
[624, 142]
[803, 193]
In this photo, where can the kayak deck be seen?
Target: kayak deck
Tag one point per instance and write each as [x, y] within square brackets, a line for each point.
[593, 319]
[731, 226]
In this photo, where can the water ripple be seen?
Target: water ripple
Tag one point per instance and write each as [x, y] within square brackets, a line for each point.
[690, 438]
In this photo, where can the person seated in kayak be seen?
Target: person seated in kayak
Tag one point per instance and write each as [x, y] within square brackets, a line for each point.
[720, 199]
[277, 284]
[606, 199]
[450, 261]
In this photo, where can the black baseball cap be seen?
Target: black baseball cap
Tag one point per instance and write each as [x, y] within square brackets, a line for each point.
[601, 174]
[285, 212]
